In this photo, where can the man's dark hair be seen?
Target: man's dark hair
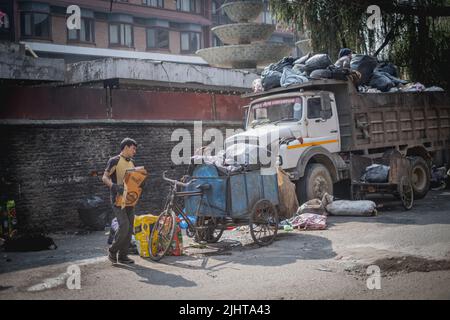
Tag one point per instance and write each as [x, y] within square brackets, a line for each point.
[127, 142]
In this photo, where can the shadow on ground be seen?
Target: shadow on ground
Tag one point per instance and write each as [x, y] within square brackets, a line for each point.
[156, 277]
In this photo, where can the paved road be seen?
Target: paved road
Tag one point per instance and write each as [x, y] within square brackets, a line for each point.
[411, 248]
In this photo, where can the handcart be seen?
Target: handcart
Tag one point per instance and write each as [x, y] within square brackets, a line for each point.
[219, 201]
[399, 178]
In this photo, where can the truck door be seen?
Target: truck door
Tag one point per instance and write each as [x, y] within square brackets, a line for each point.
[322, 123]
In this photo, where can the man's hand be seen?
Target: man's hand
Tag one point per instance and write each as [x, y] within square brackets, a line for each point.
[117, 188]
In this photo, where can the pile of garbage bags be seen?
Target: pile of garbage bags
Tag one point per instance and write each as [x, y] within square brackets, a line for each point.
[312, 215]
[365, 71]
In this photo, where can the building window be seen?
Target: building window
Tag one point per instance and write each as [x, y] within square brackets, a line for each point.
[190, 42]
[194, 6]
[121, 34]
[216, 41]
[36, 25]
[86, 32]
[153, 3]
[157, 39]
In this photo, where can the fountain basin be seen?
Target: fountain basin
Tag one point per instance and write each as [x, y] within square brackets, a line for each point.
[243, 33]
[244, 56]
[243, 11]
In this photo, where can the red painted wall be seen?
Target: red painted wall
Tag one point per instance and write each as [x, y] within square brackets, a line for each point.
[66, 103]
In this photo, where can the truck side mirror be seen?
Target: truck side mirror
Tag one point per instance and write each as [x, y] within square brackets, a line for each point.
[325, 112]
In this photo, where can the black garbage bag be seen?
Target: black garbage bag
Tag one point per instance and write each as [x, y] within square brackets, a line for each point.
[317, 61]
[387, 67]
[321, 74]
[365, 65]
[299, 69]
[286, 62]
[29, 242]
[271, 79]
[93, 213]
[381, 82]
[376, 173]
[395, 80]
[303, 59]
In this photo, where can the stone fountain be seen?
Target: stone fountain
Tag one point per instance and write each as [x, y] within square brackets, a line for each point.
[246, 46]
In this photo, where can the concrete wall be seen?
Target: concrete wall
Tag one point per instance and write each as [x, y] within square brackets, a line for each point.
[46, 166]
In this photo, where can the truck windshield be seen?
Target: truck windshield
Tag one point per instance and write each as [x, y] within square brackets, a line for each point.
[275, 111]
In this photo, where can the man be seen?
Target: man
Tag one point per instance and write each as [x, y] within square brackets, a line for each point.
[113, 178]
[345, 57]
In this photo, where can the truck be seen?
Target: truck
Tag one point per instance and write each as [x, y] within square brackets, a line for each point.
[320, 123]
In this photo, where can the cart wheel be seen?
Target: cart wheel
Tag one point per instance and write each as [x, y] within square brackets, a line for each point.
[162, 235]
[263, 222]
[406, 192]
[208, 230]
[214, 231]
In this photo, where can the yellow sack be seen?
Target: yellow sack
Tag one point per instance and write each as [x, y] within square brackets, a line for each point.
[142, 229]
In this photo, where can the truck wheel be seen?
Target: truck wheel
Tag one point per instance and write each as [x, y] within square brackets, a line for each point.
[420, 177]
[316, 181]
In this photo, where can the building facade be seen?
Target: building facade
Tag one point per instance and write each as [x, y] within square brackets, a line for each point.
[152, 29]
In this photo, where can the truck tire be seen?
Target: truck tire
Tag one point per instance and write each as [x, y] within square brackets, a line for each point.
[316, 181]
[420, 176]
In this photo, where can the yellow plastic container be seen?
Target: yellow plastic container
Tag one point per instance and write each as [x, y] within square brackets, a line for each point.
[143, 225]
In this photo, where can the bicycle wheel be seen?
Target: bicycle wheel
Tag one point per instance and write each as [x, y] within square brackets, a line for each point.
[162, 235]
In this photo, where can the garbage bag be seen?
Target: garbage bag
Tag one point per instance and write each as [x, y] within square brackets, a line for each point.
[321, 74]
[93, 213]
[290, 77]
[387, 67]
[434, 88]
[29, 242]
[299, 69]
[271, 80]
[365, 65]
[318, 61]
[286, 62]
[352, 208]
[257, 85]
[311, 206]
[309, 221]
[376, 173]
[303, 59]
[381, 82]
[286, 192]
[395, 80]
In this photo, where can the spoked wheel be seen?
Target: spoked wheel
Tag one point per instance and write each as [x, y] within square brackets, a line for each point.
[208, 230]
[406, 192]
[214, 231]
[162, 235]
[263, 222]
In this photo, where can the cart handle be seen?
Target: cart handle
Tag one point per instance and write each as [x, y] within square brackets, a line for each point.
[176, 182]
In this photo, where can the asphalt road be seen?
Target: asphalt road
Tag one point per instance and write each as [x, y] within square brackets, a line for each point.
[411, 248]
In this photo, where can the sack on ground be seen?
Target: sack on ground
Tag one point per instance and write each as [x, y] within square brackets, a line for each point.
[286, 192]
[309, 221]
[352, 208]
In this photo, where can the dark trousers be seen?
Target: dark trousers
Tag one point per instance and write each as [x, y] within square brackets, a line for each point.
[122, 238]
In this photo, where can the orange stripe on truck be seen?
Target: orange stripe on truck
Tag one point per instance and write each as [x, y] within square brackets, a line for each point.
[315, 143]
